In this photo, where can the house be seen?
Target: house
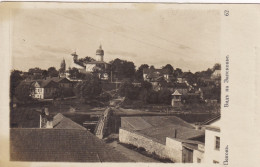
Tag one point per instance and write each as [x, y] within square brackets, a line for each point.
[150, 74]
[99, 66]
[182, 88]
[44, 89]
[212, 140]
[166, 136]
[176, 99]
[60, 145]
[62, 81]
[59, 139]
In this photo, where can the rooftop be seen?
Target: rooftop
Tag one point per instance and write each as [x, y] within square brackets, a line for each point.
[66, 145]
[160, 127]
[62, 122]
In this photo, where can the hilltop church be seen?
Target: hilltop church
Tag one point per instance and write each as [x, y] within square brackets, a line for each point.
[98, 66]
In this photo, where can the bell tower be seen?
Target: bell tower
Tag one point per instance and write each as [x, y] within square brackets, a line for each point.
[100, 54]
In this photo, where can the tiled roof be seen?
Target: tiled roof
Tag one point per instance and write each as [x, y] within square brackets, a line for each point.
[62, 122]
[160, 133]
[161, 127]
[137, 123]
[63, 145]
[176, 93]
[25, 118]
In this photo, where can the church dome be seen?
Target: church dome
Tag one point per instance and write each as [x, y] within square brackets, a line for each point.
[100, 51]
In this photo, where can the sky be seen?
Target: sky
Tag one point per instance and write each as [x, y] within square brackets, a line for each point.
[186, 39]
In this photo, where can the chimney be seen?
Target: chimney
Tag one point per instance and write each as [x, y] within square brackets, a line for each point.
[46, 121]
[49, 123]
[175, 133]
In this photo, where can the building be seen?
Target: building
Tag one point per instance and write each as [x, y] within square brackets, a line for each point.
[60, 145]
[61, 141]
[176, 99]
[62, 82]
[166, 136]
[182, 88]
[212, 141]
[98, 66]
[150, 74]
[44, 89]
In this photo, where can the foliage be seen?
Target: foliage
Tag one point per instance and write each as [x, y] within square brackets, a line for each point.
[177, 72]
[164, 96]
[122, 68]
[86, 59]
[88, 89]
[128, 90]
[169, 68]
[52, 72]
[15, 80]
[23, 92]
[217, 66]
[75, 74]
[139, 72]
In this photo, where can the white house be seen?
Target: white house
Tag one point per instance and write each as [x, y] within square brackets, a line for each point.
[212, 142]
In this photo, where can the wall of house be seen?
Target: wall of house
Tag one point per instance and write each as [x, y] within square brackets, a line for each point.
[48, 93]
[211, 154]
[38, 93]
[174, 149]
[139, 140]
[198, 155]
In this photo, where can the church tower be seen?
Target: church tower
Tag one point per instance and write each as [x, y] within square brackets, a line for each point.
[100, 54]
[63, 66]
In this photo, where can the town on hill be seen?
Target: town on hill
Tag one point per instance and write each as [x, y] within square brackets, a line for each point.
[98, 111]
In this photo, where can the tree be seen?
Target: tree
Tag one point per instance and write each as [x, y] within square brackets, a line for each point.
[139, 72]
[89, 89]
[217, 66]
[169, 68]
[44, 74]
[75, 74]
[164, 96]
[177, 72]
[86, 59]
[23, 92]
[122, 68]
[128, 90]
[15, 80]
[52, 72]
[146, 88]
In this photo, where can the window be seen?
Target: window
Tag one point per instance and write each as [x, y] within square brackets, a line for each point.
[198, 160]
[215, 162]
[217, 144]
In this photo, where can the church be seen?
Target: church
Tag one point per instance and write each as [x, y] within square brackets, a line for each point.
[99, 66]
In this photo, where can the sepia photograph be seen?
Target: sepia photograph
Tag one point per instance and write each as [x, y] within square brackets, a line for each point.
[150, 84]
[115, 83]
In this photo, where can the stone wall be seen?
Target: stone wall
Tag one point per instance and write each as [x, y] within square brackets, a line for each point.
[138, 140]
[174, 149]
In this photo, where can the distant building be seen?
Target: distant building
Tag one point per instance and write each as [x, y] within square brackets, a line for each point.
[44, 89]
[99, 66]
[166, 136]
[151, 74]
[182, 88]
[176, 99]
